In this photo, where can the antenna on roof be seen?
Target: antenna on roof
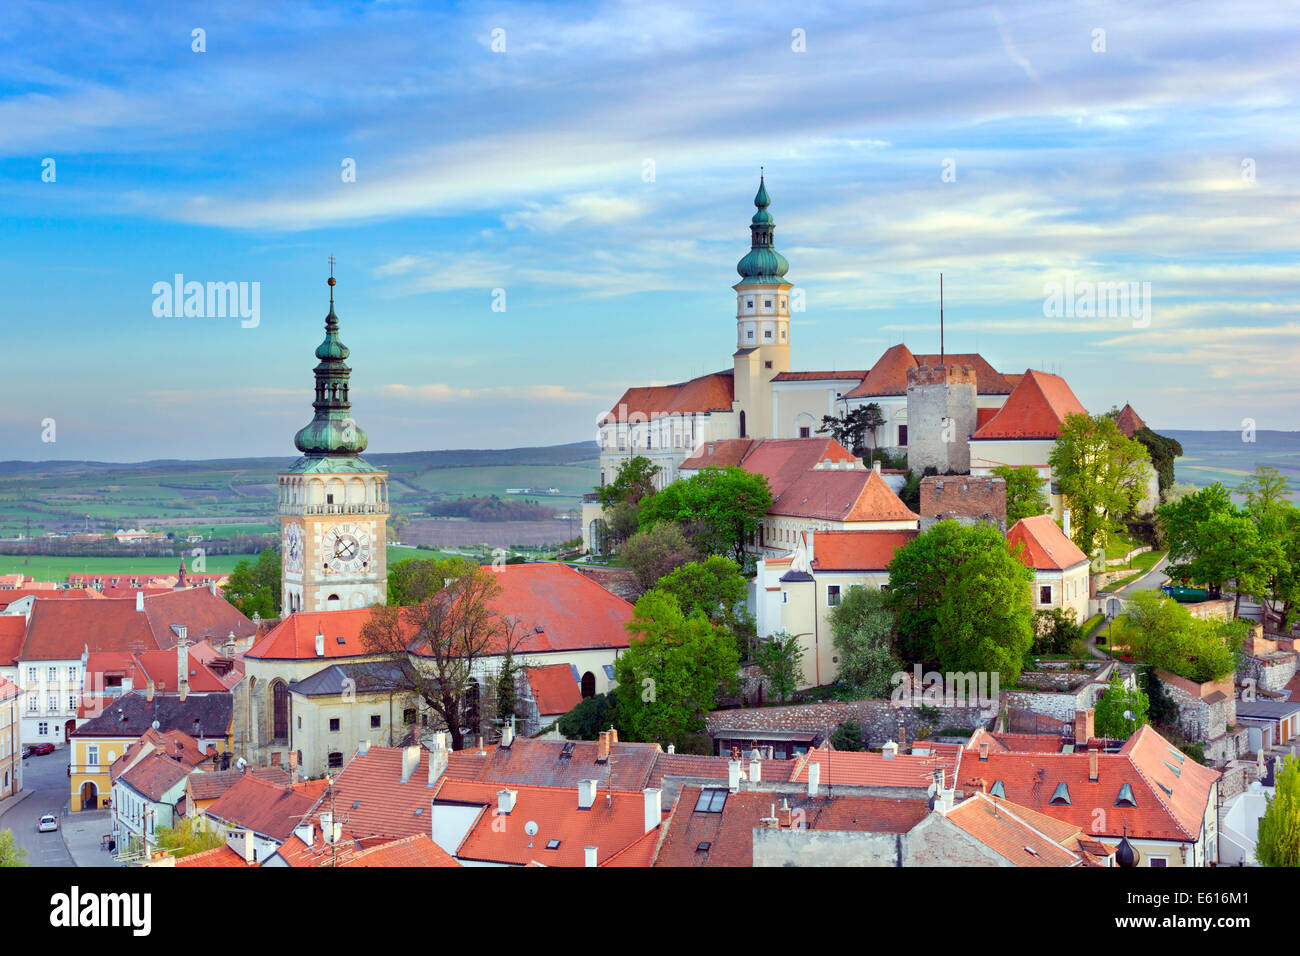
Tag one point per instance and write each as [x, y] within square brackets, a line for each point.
[940, 318]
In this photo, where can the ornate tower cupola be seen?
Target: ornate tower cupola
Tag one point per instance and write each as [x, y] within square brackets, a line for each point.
[762, 323]
[331, 431]
[333, 503]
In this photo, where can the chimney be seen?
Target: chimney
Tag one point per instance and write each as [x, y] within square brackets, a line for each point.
[212, 586]
[672, 748]
[984, 750]
[362, 748]
[602, 748]
[507, 736]
[306, 832]
[320, 644]
[889, 751]
[1084, 727]
[1092, 765]
[875, 466]
[506, 801]
[410, 761]
[148, 691]
[755, 768]
[613, 736]
[139, 600]
[786, 819]
[902, 732]
[293, 766]
[241, 841]
[586, 794]
[1065, 521]
[814, 778]
[589, 855]
[733, 775]
[653, 807]
[437, 758]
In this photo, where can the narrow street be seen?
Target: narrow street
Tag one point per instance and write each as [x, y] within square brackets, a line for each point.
[47, 779]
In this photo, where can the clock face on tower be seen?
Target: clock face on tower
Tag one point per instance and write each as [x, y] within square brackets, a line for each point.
[345, 549]
[293, 549]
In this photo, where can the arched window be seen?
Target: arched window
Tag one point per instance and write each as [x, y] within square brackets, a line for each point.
[280, 709]
[588, 685]
[742, 425]
[332, 603]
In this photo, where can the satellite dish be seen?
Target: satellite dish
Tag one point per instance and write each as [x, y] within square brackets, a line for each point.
[531, 829]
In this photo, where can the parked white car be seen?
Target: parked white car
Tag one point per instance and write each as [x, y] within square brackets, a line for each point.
[48, 824]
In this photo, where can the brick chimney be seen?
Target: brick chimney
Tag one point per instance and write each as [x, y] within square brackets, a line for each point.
[1084, 726]
[602, 747]
[613, 736]
[1092, 765]
[984, 750]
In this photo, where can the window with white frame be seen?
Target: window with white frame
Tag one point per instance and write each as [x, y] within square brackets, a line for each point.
[54, 674]
[92, 755]
[1045, 594]
[54, 703]
[832, 595]
[42, 728]
[31, 704]
[31, 676]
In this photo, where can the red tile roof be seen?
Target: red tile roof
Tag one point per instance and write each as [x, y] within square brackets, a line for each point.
[1129, 421]
[377, 803]
[211, 785]
[8, 689]
[1034, 410]
[1017, 834]
[830, 495]
[889, 375]
[1031, 780]
[418, 850]
[542, 763]
[857, 550]
[264, 808]
[718, 454]
[555, 689]
[782, 461]
[726, 838]
[13, 631]
[846, 767]
[221, 856]
[160, 666]
[855, 376]
[1045, 546]
[154, 775]
[294, 638]
[613, 822]
[708, 393]
[45, 594]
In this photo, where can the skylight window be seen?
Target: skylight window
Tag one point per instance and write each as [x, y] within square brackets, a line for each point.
[339, 639]
[1125, 798]
[703, 847]
[711, 801]
[1062, 796]
[356, 804]
[552, 844]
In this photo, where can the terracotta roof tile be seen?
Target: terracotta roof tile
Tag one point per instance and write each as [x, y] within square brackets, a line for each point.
[1014, 833]
[221, 856]
[846, 767]
[1034, 410]
[855, 376]
[265, 808]
[707, 393]
[857, 550]
[1129, 421]
[155, 775]
[210, 786]
[555, 689]
[13, 631]
[830, 495]
[1046, 548]
[543, 763]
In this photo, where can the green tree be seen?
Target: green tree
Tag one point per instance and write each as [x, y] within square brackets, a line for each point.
[856, 429]
[1278, 843]
[862, 630]
[1162, 451]
[672, 672]
[1162, 710]
[186, 838]
[715, 588]
[622, 519]
[506, 693]
[1055, 631]
[655, 552]
[1213, 542]
[918, 585]
[11, 854]
[1268, 502]
[254, 586]
[1116, 702]
[635, 481]
[1162, 633]
[1025, 497]
[1102, 475]
[847, 736]
[911, 493]
[720, 509]
[780, 660]
[589, 718]
[985, 616]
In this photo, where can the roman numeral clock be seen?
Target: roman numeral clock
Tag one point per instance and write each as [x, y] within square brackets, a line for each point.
[333, 503]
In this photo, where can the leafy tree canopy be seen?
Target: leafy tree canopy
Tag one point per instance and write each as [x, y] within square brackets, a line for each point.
[655, 552]
[635, 481]
[1113, 706]
[1279, 829]
[719, 509]
[1102, 475]
[1025, 492]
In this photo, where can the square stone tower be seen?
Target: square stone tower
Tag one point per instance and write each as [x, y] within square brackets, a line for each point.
[941, 415]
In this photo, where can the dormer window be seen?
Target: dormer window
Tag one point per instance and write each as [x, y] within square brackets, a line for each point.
[1125, 798]
[1061, 797]
[998, 790]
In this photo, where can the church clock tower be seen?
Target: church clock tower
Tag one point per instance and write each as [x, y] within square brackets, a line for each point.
[333, 503]
[762, 323]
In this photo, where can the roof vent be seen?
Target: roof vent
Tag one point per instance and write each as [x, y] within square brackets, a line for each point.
[1061, 796]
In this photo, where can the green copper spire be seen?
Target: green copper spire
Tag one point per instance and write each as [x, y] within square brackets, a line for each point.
[762, 263]
[331, 432]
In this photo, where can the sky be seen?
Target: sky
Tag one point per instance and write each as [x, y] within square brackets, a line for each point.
[597, 162]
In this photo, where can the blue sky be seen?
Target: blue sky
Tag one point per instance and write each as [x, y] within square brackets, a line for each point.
[523, 170]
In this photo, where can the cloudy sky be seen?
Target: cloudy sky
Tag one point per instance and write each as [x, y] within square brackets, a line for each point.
[597, 161]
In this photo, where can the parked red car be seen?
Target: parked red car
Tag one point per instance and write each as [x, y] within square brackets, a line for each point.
[41, 749]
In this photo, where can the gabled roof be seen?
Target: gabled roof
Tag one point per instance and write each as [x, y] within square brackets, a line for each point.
[613, 822]
[363, 677]
[154, 775]
[1046, 548]
[265, 808]
[210, 786]
[160, 666]
[857, 550]
[1129, 421]
[199, 715]
[782, 461]
[415, 850]
[830, 495]
[719, 454]
[847, 767]
[848, 375]
[714, 392]
[1019, 835]
[47, 594]
[555, 689]
[1144, 763]
[369, 789]
[418, 850]
[726, 837]
[294, 638]
[1034, 410]
[543, 763]
[889, 375]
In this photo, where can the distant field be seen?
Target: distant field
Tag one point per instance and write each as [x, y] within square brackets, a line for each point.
[44, 568]
[495, 534]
